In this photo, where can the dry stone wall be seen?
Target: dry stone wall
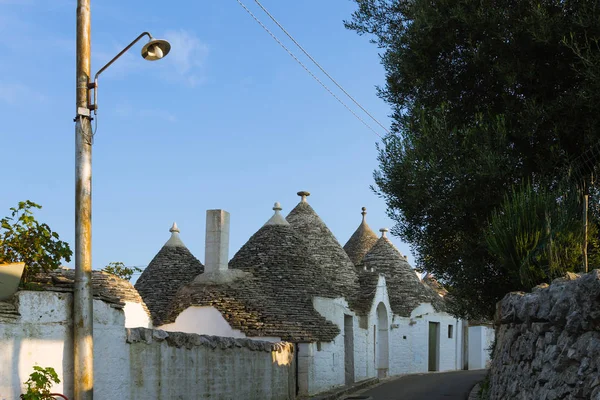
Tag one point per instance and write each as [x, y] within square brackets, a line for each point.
[548, 342]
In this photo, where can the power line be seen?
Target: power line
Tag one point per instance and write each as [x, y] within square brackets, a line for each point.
[319, 65]
[306, 68]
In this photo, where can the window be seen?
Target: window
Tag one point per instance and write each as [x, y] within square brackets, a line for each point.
[318, 346]
[450, 331]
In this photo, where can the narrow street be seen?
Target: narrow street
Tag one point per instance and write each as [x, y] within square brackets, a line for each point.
[454, 385]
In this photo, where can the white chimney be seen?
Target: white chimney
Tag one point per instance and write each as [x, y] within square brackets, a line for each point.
[217, 241]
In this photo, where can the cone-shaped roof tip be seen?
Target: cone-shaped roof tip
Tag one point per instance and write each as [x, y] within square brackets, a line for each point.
[303, 194]
[384, 232]
[277, 218]
[361, 241]
[174, 240]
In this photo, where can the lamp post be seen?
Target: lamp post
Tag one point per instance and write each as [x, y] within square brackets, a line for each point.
[83, 345]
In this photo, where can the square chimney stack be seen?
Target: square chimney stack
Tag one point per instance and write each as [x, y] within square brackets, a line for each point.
[217, 241]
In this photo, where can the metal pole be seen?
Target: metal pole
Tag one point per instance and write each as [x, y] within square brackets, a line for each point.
[83, 345]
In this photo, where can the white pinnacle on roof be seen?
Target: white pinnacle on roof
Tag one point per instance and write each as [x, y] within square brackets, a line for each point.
[175, 240]
[277, 218]
[384, 231]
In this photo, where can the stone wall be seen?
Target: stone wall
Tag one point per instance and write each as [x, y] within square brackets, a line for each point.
[548, 342]
[136, 363]
[172, 365]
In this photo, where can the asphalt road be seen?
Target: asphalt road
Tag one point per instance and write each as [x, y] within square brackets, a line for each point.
[454, 385]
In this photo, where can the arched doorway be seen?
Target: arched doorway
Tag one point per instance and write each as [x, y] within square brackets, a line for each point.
[382, 341]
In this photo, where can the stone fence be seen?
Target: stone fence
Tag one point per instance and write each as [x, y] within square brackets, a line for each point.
[137, 363]
[548, 342]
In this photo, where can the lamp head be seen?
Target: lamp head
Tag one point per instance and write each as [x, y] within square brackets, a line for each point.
[155, 49]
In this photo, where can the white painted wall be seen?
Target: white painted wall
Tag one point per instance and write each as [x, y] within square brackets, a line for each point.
[136, 316]
[409, 338]
[325, 361]
[207, 321]
[323, 370]
[481, 339]
[152, 368]
[43, 336]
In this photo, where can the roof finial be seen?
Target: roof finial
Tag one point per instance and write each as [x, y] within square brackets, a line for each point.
[277, 218]
[383, 232]
[304, 194]
[174, 241]
[364, 213]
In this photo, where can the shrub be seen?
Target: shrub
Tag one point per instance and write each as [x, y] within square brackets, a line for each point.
[24, 239]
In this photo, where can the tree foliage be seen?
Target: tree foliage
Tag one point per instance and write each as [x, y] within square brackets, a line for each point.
[485, 95]
[119, 269]
[24, 239]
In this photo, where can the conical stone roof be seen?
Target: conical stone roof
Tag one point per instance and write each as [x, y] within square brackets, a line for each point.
[170, 269]
[406, 291]
[336, 267]
[433, 283]
[368, 288]
[274, 297]
[361, 241]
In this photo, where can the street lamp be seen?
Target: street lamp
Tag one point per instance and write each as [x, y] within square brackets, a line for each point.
[83, 345]
[154, 50]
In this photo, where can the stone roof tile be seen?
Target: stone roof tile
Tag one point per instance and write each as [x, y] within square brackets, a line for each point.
[275, 296]
[173, 267]
[368, 287]
[405, 289]
[361, 241]
[336, 267]
[107, 287]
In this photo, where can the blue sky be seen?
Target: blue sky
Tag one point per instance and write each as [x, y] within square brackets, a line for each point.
[228, 120]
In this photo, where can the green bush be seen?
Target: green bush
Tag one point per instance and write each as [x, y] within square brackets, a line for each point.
[24, 239]
[39, 383]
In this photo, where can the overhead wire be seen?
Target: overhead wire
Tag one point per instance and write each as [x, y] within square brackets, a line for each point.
[319, 65]
[306, 68]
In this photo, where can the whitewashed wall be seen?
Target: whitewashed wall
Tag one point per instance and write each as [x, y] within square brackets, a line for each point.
[322, 370]
[137, 363]
[410, 341]
[381, 296]
[207, 321]
[166, 366]
[136, 316]
[481, 339]
[42, 335]
[324, 362]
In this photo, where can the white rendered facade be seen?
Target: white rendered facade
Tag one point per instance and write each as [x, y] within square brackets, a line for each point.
[383, 344]
[481, 339]
[206, 321]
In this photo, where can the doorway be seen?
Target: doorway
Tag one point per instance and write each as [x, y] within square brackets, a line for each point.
[434, 346]
[382, 340]
[349, 349]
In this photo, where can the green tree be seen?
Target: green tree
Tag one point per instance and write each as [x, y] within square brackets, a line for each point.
[24, 239]
[119, 269]
[485, 95]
